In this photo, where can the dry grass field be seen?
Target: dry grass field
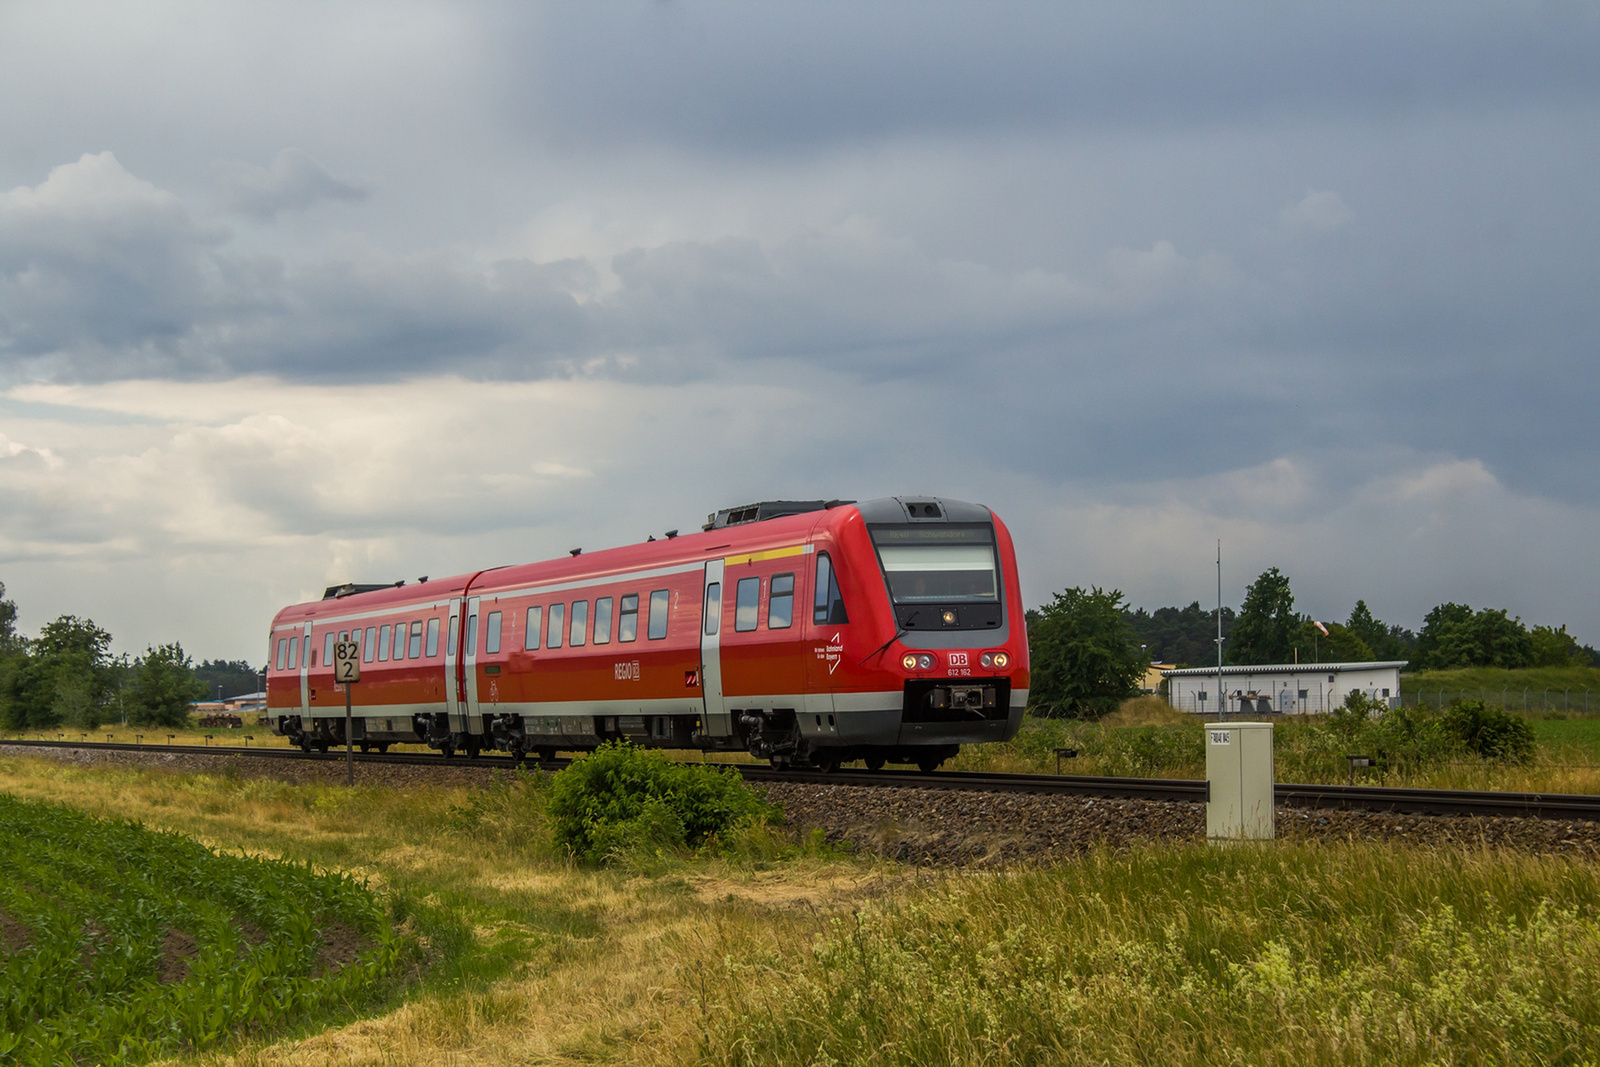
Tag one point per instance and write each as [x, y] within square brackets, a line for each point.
[770, 949]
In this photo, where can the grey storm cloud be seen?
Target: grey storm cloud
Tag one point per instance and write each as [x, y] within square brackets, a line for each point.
[294, 182]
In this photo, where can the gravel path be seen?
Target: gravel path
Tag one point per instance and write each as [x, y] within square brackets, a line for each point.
[945, 827]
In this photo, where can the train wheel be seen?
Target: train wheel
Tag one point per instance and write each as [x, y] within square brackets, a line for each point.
[364, 746]
[322, 747]
[929, 764]
[305, 745]
[383, 746]
[827, 762]
[447, 750]
[473, 749]
[875, 763]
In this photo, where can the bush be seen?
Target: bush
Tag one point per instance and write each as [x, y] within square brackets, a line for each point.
[1489, 732]
[621, 798]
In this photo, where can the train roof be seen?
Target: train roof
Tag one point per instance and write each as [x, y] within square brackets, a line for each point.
[750, 526]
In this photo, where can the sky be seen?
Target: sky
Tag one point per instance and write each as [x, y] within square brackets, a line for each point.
[297, 294]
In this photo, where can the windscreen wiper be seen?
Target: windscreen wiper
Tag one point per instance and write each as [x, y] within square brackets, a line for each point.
[881, 649]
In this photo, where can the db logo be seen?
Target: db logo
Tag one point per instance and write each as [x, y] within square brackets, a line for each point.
[958, 659]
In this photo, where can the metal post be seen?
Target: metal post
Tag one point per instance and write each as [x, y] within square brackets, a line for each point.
[1545, 704]
[1221, 701]
[349, 747]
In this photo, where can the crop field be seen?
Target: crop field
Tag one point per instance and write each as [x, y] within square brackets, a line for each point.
[121, 943]
[764, 946]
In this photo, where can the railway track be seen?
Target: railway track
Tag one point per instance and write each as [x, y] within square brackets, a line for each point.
[1179, 790]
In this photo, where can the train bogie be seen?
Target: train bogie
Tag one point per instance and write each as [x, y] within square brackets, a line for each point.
[802, 633]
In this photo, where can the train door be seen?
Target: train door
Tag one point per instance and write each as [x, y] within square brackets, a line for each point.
[718, 722]
[452, 675]
[305, 675]
[824, 647]
[474, 718]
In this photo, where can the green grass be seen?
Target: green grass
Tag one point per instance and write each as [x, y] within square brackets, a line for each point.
[127, 942]
[1281, 954]
[1493, 684]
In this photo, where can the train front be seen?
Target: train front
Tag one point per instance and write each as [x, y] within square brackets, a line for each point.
[949, 632]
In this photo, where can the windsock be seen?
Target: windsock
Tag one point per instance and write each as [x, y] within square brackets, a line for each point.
[1321, 627]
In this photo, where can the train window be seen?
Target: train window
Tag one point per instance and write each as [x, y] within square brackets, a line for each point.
[747, 600]
[283, 652]
[383, 644]
[713, 612]
[367, 646]
[780, 609]
[327, 650]
[414, 651]
[628, 621]
[530, 639]
[472, 634]
[455, 630]
[491, 634]
[659, 599]
[433, 637]
[399, 640]
[558, 613]
[828, 605]
[294, 652]
[580, 622]
[602, 621]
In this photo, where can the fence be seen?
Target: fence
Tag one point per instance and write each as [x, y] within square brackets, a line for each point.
[1563, 700]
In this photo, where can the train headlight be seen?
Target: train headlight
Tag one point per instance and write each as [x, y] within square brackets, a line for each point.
[948, 618]
[1001, 659]
[909, 661]
[917, 661]
[987, 659]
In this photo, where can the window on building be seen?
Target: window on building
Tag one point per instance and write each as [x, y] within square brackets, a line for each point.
[491, 635]
[530, 636]
[383, 644]
[369, 646]
[713, 608]
[580, 622]
[283, 652]
[1304, 693]
[414, 651]
[780, 607]
[602, 621]
[828, 606]
[660, 599]
[628, 619]
[1201, 695]
[746, 604]
[294, 651]
[558, 616]
[1385, 692]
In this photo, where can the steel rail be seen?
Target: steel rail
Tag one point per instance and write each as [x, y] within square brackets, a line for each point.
[1179, 790]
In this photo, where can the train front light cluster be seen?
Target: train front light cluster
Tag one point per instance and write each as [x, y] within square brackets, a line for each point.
[995, 659]
[917, 661]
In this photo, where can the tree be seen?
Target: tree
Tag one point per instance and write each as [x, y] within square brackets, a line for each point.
[1454, 636]
[1340, 645]
[65, 674]
[1268, 625]
[1184, 636]
[236, 677]
[9, 641]
[1556, 648]
[1083, 658]
[164, 686]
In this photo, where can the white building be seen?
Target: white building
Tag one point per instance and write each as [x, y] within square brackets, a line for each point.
[1281, 688]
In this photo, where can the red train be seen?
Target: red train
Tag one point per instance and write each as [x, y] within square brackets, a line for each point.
[804, 632]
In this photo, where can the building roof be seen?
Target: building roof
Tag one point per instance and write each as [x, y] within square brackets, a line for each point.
[1287, 668]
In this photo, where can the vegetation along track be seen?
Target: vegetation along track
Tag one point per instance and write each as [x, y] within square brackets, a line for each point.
[1183, 790]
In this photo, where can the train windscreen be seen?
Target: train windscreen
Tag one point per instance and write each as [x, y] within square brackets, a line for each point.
[938, 564]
